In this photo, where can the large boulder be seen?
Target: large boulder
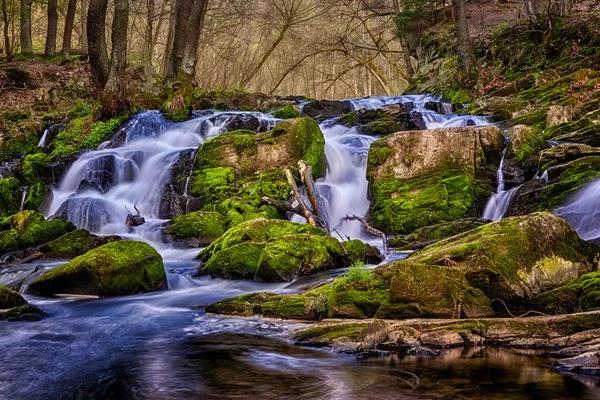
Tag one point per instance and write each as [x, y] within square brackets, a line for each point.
[13, 307]
[276, 251]
[199, 228]
[9, 298]
[421, 178]
[73, 244]
[115, 269]
[383, 121]
[323, 109]
[29, 229]
[513, 260]
[234, 170]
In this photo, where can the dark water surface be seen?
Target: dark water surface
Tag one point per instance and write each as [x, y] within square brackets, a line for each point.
[157, 346]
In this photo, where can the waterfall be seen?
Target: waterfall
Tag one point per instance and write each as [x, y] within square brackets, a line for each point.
[42, 142]
[101, 185]
[344, 187]
[582, 211]
[498, 204]
[23, 197]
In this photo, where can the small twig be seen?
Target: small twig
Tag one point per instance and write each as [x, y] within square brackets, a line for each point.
[371, 230]
[517, 316]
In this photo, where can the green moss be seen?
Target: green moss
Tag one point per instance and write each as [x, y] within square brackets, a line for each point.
[329, 333]
[30, 228]
[9, 298]
[204, 226]
[530, 149]
[308, 143]
[74, 244]
[115, 269]
[271, 250]
[35, 196]
[10, 196]
[571, 177]
[286, 112]
[403, 205]
[577, 295]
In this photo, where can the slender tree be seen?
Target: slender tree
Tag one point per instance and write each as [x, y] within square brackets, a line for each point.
[52, 28]
[68, 33]
[148, 33]
[6, 31]
[194, 25]
[25, 14]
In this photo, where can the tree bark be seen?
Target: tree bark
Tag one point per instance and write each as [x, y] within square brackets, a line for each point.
[6, 30]
[118, 60]
[148, 34]
[83, 39]
[466, 57]
[68, 33]
[305, 212]
[170, 39]
[182, 13]
[96, 21]
[50, 49]
[26, 44]
[194, 26]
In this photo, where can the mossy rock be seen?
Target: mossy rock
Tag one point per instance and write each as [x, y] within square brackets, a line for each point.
[422, 178]
[287, 112]
[9, 298]
[10, 196]
[200, 226]
[29, 229]
[74, 244]
[271, 251]
[115, 269]
[516, 258]
[577, 295]
[25, 312]
[513, 259]
[435, 232]
[361, 252]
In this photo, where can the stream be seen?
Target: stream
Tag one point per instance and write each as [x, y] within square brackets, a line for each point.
[163, 346]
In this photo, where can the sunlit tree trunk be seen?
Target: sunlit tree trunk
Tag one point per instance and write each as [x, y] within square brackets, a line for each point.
[148, 35]
[6, 31]
[195, 23]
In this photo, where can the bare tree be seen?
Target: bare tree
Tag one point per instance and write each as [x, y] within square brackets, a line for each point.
[98, 54]
[118, 60]
[6, 31]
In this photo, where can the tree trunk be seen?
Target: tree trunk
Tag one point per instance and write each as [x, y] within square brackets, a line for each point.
[52, 28]
[466, 57]
[83, 39]
[69, 21]
[182, 13]
[26, 45]
[118, 60]
[194, 26]
[169, 45]
[6, 29]
[148, 35]
[96, 21]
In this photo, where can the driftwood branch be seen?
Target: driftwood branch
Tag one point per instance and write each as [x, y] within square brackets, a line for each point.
[313, 193]
[281, 205]
[371, 230]
[298, 202]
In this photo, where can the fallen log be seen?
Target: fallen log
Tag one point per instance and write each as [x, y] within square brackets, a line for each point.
[371, 230]
[298, 202]
[313, 193]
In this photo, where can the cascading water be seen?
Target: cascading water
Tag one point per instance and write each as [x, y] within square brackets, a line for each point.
[582, 211]
[345, 186]
[101, 186]
[498, 204]
[160, 346]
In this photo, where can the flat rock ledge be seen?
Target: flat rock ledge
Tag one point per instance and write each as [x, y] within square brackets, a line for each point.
[567, 336]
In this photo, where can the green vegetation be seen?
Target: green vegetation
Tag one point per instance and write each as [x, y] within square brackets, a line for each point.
[115, 269]
[29, 229]
[9, 298]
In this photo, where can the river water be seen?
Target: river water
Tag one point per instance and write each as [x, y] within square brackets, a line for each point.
[163, 346]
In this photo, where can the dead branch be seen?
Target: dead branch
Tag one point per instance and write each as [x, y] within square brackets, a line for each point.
[280, 205]
[313, 193]
[298, 202]
[371, 230]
